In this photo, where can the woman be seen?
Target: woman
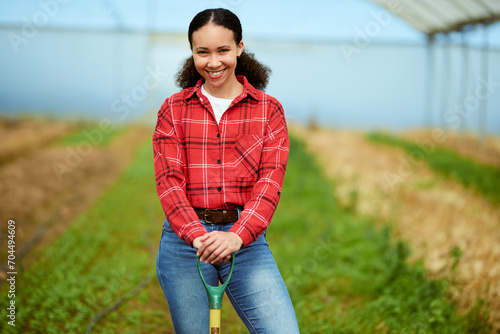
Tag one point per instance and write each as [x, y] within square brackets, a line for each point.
[220, 154]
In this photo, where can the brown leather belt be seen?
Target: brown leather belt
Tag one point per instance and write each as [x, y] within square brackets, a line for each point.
[217, 216]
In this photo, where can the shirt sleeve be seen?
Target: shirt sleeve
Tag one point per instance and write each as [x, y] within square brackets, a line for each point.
[266, 192]
[170, 178]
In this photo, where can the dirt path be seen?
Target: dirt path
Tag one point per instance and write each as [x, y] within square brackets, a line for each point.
[433, 215]
[20, 137]
[42, 203]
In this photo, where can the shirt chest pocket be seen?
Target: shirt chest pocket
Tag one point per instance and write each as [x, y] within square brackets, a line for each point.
[247, 154]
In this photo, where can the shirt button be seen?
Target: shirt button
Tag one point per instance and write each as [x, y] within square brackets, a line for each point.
[218, 135]
[219, 189]
[218, 161]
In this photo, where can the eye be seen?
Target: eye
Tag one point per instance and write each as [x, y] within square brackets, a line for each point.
[201, 52]
[224, 50]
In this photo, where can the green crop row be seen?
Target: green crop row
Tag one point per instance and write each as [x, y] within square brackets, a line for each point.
[485, 179]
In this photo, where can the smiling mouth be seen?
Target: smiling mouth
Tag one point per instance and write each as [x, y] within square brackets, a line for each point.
[217, 74]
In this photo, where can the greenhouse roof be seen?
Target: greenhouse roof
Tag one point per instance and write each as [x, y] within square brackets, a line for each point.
[443, 16]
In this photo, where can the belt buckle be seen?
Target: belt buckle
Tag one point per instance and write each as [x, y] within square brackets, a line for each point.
[205, 215]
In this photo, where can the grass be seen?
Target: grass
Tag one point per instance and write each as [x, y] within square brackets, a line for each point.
[484, 179]
[344, 275]
[99, 135]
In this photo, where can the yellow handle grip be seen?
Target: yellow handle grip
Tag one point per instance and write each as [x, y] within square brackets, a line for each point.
[214, 321]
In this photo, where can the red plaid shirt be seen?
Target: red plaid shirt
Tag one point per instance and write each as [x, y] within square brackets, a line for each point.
[239, 162]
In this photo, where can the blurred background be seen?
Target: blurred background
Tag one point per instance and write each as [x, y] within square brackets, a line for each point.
[364, 64]
[82, 81]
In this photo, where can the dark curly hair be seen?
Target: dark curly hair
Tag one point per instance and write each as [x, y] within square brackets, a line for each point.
[255, 72]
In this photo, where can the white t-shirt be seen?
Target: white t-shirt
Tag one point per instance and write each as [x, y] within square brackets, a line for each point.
[218, 105]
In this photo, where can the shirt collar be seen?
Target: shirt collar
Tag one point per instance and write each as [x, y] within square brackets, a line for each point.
[248, 89]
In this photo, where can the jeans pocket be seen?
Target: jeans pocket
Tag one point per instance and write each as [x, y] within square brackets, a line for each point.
[166, 227]
[261, 240]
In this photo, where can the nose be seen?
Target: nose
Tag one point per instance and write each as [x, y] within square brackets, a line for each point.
[214, 61]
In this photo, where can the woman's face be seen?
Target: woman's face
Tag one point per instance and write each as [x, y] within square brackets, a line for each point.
[215, 54]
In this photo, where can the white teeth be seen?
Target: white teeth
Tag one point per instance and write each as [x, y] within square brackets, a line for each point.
[216, 73]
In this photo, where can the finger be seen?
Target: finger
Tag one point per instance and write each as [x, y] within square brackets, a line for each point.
[227, 255]
[205, 255]
[214, 235]
[199, 253]
[205, 236]
[222, 254]
[214, 255]
[208, 239]
[206, 248]
[222, 258]
[204, 251]
[201, 248]
[210, 246]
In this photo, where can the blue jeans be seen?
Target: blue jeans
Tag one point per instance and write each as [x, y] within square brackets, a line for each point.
[256, 289]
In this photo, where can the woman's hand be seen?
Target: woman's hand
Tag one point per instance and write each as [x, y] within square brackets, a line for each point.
[217, 246]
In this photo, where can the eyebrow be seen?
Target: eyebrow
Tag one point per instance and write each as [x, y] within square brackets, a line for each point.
[220, 47]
